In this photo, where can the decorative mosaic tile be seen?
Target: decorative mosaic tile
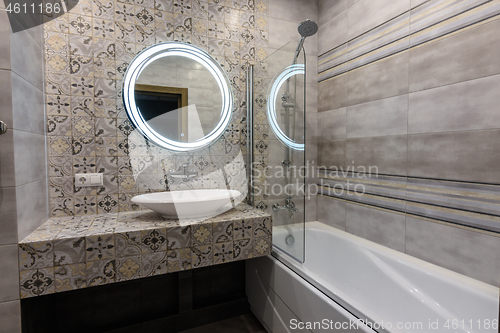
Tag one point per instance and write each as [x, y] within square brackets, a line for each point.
[202, 256]
[223, 232]
[37, 282]
[128, 243]
[85, 205]
[243, 228]
[70, 277]
[69, 251]
[179, 237]
[262, 246]
[100, 247]
[36, 255]
[201, 234]
[100, 272]
[179, 260]
[154, 240]
[154, 264]
[223, 252]
[262, 227]
[128, 268]
[243, 249]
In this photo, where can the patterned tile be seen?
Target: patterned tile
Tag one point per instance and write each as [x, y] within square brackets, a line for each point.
[100, 247]
[243, 229]
[154, 240]
[36, 255]
[69, 251]
[128, 268]
[243, 249]
[201, 234]
[223, 232]
[179, 260]
[223, 252]
[128, 244]
[262, 227]
[100, 272]
[202, 256]
[179, 237]
[154, 264]
[262, 246]
[37, 282]
[70, 277]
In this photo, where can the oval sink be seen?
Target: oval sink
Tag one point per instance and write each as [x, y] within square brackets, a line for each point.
[188, 204]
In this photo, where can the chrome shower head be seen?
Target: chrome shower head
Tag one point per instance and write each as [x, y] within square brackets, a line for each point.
[308, 28]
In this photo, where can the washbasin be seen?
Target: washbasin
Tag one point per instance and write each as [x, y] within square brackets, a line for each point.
[188, 204]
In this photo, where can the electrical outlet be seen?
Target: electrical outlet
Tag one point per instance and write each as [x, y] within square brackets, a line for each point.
[88, 179]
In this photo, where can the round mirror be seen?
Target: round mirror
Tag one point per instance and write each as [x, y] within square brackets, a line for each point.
[276, 97]
[177, 96]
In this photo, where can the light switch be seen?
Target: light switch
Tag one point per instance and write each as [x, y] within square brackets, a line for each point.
[88, 179]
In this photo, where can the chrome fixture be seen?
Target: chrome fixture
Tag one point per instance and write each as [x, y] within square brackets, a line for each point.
[184, 173]
[289, 204]
[3, 128]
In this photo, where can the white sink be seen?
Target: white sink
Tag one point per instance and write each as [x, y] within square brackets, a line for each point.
[188, 204]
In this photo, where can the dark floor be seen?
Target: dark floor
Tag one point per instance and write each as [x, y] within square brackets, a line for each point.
[242, 324]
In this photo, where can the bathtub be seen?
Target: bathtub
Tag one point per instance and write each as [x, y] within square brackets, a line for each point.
[349, 284]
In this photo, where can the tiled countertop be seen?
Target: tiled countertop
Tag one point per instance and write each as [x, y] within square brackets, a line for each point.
[83, 251]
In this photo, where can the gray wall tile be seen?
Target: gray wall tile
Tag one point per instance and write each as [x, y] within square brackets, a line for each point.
[311, 208]
[26, 57]
[331, 211]
[379, 118]
[332, 93]
[332, 125]
[332, 154]
[6, 98]
[333, 33]
[367, 14]
[10, 312]
[282, 31]
[27, 106]
[377, 225]
[9, 267]
[293, 10]
[470, 105]
[8, 222]
[467, 252]
[382, 79]
[30, 158]
[5, 38]
[7, 166]
[467, 156]
[465, 56]
[329, 9]
[312, 127]
[311, 97]
[387, 153]
[415, 3]
[33, 212]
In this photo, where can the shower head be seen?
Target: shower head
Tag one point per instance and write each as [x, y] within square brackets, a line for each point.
[308, 28]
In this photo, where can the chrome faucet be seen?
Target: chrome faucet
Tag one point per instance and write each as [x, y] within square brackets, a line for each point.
[184, 173]
[289, 204]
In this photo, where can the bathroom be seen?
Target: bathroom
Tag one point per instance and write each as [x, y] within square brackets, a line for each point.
[326, 166]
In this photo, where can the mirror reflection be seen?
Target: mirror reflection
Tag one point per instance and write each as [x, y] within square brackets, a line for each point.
[179, 98]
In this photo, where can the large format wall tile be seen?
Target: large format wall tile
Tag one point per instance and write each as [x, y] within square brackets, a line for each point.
[29, 157]
[468, 55]
[8, 273]
[329, 9]
[8, 223]
[7, 164]
[6, 98]
[470, 105]
[466, 156]
[382, 79]
[285, 31]
[367, 14]
[5, 38]
[31, 195]
[469, 252]
[27, 106]
[332, 211]
[331, 154]
[10, 312]
[332, 93]
[332, 125]
[381, 226]
[379, 118]
[387, 153]
[328, 40]
[293, 10]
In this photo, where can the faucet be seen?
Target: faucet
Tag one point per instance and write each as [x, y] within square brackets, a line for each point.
[289, 204]
[184, 173]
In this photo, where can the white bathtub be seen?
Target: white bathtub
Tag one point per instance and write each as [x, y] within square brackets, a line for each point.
[345, 278]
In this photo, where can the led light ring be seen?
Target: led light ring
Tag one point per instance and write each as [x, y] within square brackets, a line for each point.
[271, 102]
[155, 52]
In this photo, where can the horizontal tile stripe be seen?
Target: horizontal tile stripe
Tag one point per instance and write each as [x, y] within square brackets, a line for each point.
[426, 23]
